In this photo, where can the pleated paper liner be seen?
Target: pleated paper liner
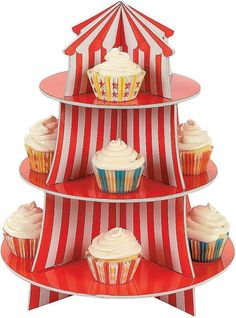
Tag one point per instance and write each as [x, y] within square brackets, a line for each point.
[120, 181]
[207, 252]
[115, 89]
[117, 272]
[24, 248]
[195, 162]
[40, 162]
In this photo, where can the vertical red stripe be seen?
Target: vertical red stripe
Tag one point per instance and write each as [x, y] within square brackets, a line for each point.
[58, 152]
[34, 297]
[177, 168]
[184, 256]
[136, 221]
[86, 142]
[158, 75]
[63, 231]
[172, 300]
[123, 215]
[96, 219]
[73, 140]
[40, 261]
[79, 230]
[100, 129]
[151, 234]
[136, 130]
[165, 234]
[124, 125]
[189, 301]
[149, 153]
[112, 216]
[78, 76]
[162, 151]
[114, 124]
[53, 296]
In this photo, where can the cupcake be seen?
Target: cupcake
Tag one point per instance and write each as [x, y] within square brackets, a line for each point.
[118, 168]
[117, 79]
[113, 256]
[40, 144]
[208, 232]
[195, 148]
[22, 230]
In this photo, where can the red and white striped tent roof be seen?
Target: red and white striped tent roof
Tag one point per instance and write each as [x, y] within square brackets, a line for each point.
[121, 26]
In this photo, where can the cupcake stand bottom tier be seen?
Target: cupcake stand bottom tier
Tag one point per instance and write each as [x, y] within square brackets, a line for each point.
[151, 280]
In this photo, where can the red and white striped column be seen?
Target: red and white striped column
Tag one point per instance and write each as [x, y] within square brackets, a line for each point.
[83, 131]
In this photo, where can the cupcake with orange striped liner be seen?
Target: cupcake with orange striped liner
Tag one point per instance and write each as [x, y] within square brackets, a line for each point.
[22, 230]
[118, 79]
[114, 256]
[195, 148]
[208, 232]
[40, 144]
[118, 168]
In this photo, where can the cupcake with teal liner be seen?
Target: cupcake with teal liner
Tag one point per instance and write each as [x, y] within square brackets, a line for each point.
[208, 232]
[118, 79]
[118, 168]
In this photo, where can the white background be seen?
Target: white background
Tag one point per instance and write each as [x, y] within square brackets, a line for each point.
[33, 35]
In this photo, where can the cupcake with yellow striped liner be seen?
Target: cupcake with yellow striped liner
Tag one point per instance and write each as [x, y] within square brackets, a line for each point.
[40, 144]
[195, 148]
[22, 230]
[118, 79]
[208, 232]
[118, 168]
[114, 256]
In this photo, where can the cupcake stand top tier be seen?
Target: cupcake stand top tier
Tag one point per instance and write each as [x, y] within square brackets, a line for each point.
[76, 210]
[182, 89]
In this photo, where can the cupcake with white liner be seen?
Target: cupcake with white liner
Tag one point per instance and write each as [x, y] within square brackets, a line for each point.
[114, 256]
[118, 168]
[195, 148]
[208, 232]
[117, 79]
[22, 230]
[40, 144]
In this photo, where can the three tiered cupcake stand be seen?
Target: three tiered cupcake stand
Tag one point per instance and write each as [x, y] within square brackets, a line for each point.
[76, 210]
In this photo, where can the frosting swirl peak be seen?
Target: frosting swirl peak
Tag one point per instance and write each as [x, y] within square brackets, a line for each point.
[117, 243]
[206, 224]
[43, 134]
[117, 156]
[25, 222]
[192, 137]
[117, 63]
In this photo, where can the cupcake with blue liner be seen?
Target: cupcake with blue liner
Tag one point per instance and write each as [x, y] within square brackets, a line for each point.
[208, 232]
[118, 168]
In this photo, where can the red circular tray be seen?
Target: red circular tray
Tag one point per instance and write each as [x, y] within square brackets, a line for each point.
[86, 188]
[150, 279]
[182, 89]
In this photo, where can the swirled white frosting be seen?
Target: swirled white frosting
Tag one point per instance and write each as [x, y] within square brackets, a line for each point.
[43, 134]
[117, 156]
[117, 63]
[25, 222]
[191, 137]
[117, 243]
[206, 224]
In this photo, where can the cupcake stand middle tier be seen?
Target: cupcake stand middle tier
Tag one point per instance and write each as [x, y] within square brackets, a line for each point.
[76, 210]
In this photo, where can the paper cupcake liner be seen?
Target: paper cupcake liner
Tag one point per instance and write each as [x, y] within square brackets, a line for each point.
[112, 273]
[120, 181]
[24, 248]
[194, 162]
[206, 252]
[40, 162]
[115, 89]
